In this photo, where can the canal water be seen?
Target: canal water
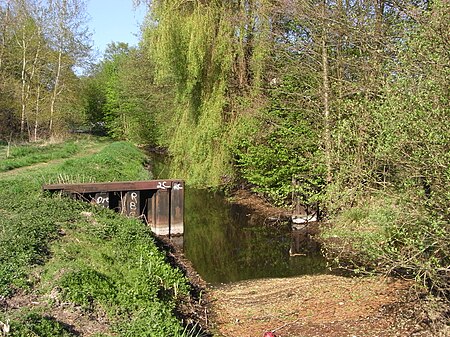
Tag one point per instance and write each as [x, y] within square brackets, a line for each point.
[227, 242]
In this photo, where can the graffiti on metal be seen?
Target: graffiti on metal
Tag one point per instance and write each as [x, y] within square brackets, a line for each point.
[159, 202]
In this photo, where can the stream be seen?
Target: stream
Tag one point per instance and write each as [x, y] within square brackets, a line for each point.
[227, 242]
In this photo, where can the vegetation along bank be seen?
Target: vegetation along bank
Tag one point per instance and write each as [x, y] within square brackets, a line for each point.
[69, 268]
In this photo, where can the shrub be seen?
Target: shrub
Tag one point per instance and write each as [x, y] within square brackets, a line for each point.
[386, 235]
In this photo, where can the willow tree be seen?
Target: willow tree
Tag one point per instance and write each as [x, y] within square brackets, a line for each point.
[210, 52]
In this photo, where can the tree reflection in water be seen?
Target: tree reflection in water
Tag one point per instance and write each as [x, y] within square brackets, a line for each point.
[227, 243]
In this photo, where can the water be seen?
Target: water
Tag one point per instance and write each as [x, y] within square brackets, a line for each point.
[227, 242]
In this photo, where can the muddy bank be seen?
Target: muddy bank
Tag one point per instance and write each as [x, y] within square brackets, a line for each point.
[192, 310]
[259, 206]
[307, 306]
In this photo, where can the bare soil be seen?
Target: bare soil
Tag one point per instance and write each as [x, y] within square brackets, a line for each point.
[321, 305]
[73, 317]
[311, 306]
[259, 205]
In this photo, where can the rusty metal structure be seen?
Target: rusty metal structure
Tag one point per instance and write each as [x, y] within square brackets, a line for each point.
[160, 203]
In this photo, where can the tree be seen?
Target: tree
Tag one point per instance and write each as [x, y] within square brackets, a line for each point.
[69, 40]
[122, 97]
[41, 41]
[212, 54]
[8, 104]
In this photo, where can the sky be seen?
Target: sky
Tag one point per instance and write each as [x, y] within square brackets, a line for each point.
[114, 21]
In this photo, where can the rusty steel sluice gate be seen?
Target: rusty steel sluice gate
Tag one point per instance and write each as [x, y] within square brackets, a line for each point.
[160, 203]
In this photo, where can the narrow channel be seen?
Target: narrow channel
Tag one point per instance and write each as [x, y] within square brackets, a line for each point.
[227, 242]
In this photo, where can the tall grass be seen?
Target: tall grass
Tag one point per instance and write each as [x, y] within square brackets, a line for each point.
[387, 235]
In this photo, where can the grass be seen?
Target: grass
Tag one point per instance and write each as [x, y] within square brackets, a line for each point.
[26, 155]
[357, 236]
[94, 259]
[35, 324]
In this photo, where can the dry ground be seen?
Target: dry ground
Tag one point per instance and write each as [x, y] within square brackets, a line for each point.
[307, 306]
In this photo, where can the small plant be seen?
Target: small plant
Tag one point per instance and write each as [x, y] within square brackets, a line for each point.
[87, 286]
[35, 324]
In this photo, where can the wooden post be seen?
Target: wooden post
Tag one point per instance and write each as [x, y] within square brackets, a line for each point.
[130, 204]
[102, 199]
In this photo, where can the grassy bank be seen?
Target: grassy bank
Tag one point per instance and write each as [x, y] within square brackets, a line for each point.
[16, 156]
[76, 258]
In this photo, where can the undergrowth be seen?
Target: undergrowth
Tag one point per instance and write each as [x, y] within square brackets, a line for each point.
[387, 235]
[37, 324]
[92, 258]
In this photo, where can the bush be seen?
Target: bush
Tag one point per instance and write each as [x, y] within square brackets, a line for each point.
[387, 236]
[281, 144]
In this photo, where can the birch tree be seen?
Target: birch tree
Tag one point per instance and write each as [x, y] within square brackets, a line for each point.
[27, 37]
[69, 38]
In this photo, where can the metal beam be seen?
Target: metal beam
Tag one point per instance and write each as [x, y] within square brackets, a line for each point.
[118, 186]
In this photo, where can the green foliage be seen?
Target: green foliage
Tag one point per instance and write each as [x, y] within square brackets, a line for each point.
[112, 263]
[27, 226]
[94, 100]
[395, 149]
[99, 259]
[387, 235]
[120, 97]
[86, 286]
[36, 324]
[282, 145]
[42, 42]
[118, 161]
[200, 49]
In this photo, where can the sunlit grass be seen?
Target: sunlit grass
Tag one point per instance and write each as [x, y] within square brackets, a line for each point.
[95, 258]
[17, 156]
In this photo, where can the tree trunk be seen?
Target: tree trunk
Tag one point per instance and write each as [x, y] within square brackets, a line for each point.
[23, 88]
[55, 92]
[326, 94]
[38, 97]
[33, 72]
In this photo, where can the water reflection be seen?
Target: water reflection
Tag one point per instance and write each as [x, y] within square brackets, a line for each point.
[228, 243]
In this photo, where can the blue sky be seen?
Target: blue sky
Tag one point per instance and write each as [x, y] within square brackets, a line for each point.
[114, 20]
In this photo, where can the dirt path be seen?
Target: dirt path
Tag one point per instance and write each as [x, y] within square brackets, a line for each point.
[307, 306]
